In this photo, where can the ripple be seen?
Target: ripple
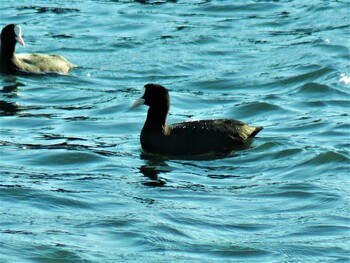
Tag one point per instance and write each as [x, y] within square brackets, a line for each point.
[75, 186]
[305, 77]
[247, 110]
[327, 158]
[70, 158]
[316, 91]
[42, 199]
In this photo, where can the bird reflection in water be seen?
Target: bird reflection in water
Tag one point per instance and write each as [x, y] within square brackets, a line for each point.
[154, 166]
[10, 91]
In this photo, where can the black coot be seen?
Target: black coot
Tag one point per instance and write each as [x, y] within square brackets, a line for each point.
[220, 136]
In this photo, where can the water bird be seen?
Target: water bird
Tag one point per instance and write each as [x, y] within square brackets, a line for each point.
[189, 138]
[13, 63]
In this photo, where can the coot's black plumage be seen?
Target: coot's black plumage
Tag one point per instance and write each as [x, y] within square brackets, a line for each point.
[13, 63]
[220, 136]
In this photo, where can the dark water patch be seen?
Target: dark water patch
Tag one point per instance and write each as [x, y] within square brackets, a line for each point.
[249, 109]
[269, 145]
[63, 158]
[16, 232]
[45, 9]
[12, 106]
[321, 164]
[203, 40]
[287, 153]
[10, 91]
[298, 33]
[8, 108]
[75, 107]
[172, 230]
[316, 91]
[154, 2]
[80, 118]
[52, 253]
[152, 172]
[62, 36]
[122, 222]
[126, 43]
[222, 176]
[311, 104]
[229, 251]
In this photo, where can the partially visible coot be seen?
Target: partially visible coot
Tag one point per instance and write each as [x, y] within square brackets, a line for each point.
[221, 136]
[13, 63]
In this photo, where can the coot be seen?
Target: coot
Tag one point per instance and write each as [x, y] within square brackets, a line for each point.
[219, 136]
[13, 63]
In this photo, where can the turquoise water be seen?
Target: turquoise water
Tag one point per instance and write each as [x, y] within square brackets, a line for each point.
[75, 186]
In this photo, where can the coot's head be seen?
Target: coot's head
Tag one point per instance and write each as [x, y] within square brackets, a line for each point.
[11, 34]
[154, 96]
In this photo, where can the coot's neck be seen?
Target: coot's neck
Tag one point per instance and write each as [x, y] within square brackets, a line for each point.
[156, 119]
[8, 49]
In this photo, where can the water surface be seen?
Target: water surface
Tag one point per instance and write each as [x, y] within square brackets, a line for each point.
[75, 186]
